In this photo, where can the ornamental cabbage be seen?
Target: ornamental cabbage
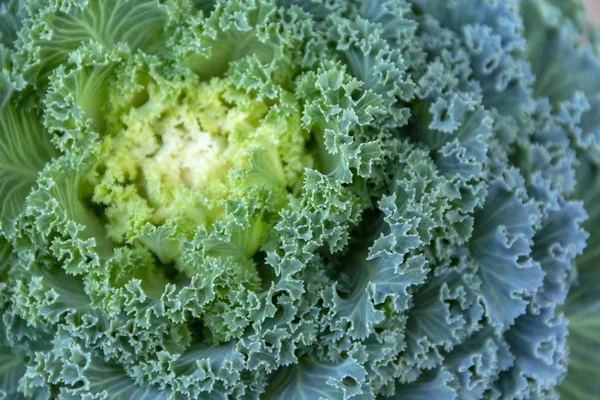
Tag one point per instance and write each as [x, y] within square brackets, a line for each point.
[299, 199]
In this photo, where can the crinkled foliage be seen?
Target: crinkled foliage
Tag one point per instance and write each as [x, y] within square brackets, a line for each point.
[299, 199]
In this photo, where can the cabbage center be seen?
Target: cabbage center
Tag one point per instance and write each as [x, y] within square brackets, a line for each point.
[192, 145]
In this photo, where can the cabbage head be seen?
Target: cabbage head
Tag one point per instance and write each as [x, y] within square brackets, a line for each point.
[299, 199]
